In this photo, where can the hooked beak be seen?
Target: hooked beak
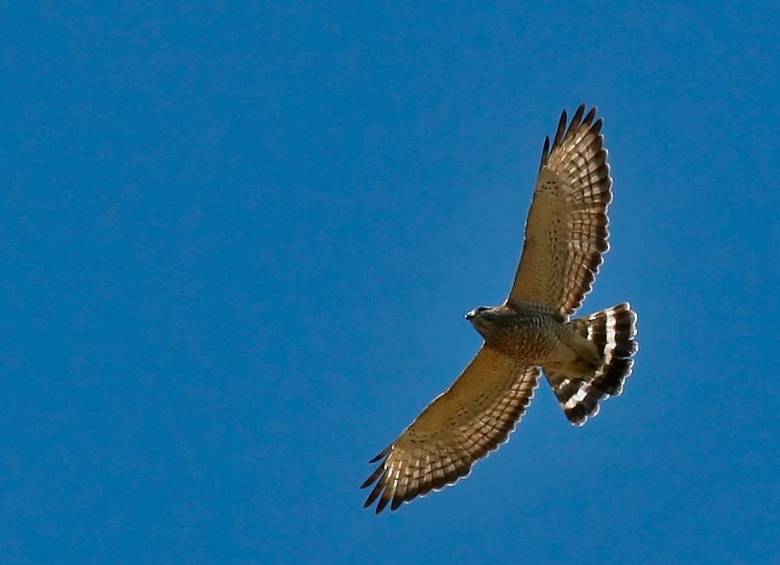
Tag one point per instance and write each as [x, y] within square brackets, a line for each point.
[471, 314]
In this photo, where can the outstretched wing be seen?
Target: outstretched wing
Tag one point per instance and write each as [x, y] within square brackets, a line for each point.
[566, 233]
[474, 416]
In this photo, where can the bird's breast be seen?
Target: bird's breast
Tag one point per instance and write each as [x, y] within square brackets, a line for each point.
[530, 338]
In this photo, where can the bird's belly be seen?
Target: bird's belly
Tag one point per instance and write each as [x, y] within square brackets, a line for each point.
[533, 342]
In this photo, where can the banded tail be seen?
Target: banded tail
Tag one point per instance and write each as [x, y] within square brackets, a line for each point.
[613, 332]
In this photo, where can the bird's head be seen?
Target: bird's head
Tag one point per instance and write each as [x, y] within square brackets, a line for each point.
[486, 321]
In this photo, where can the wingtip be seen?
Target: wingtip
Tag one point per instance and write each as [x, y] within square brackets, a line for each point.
[562, 122]
[596, 127]
[373, 477]
[589, 117]
[373, 495]
[575, 120]
[545, 152]
[381, 505]
[559, 133]
[378, 457]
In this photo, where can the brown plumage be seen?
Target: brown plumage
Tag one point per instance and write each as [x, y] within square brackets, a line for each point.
[566, 233]
[585, 360]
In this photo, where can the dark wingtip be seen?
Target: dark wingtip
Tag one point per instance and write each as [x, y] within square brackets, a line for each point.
[575, 120]
[381, 504]
[597, 125]
[545, 151]
[373, 495]
[396, 504]
[374, 476]
[589, 118]
[380, 456]
[561, 129]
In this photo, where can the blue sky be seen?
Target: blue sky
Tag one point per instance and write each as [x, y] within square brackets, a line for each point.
[237, 245]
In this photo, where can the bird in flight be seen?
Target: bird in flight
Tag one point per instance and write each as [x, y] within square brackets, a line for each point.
[585, 360]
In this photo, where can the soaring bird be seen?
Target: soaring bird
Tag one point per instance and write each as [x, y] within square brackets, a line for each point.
[585, 360]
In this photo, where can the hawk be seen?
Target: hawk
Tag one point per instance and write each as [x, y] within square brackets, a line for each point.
[585, 360]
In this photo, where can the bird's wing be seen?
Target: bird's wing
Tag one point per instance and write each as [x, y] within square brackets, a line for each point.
[566, 233]
[473, 417]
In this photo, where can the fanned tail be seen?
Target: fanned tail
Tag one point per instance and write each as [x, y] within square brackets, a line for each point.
[613, 332]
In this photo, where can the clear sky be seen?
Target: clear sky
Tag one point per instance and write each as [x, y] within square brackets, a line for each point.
[237, 245]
